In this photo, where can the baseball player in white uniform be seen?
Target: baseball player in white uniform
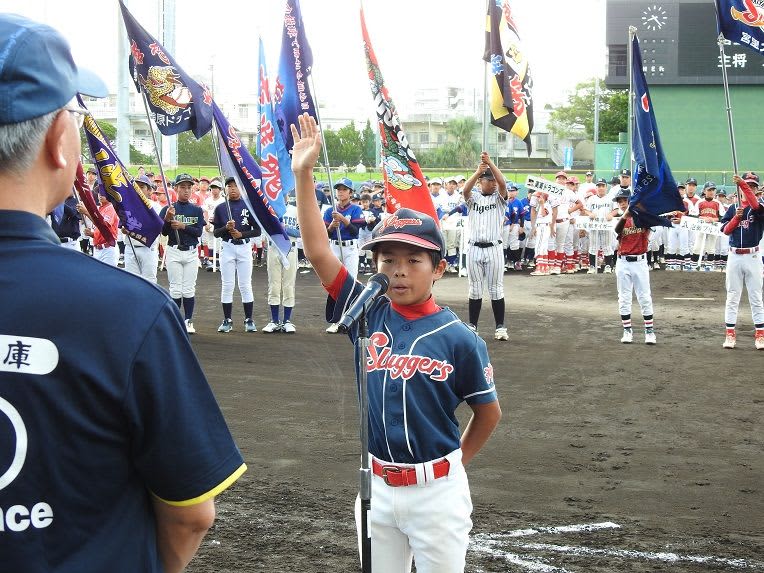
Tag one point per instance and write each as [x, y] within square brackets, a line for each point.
[450, 224]
[209, 205]
[543, 220]
[600, 207]
[485, 253]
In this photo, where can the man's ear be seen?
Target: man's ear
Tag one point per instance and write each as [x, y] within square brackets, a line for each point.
[55, 141]
[440, 269]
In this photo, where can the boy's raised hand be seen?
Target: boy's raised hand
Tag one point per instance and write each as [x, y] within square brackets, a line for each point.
[307, 144]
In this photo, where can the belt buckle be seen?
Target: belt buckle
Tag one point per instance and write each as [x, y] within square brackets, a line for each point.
[390, 469]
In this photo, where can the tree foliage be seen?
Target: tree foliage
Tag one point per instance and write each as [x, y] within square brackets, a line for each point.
[192, 151]
[461, 149]
[369, 139]
[576, 117]
[110, 131]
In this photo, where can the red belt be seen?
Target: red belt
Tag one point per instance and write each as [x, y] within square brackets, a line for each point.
[397, 476]
[745, 251]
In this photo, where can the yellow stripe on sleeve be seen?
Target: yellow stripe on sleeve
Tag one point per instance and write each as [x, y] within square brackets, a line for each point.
[224, 485]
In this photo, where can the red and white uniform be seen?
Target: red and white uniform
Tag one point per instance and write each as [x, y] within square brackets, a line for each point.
[542, 229]
[102, 250]
[711, 211]
[631, 270]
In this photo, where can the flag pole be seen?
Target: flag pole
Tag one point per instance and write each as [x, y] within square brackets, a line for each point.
[326, 161]
[486, 110]
[632, 35]
[727, 100]
[159, 159]
[223, 191]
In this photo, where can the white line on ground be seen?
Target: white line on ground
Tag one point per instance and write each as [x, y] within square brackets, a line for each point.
[530, 564]
[685, 298]
[647, 555]
[554, 530]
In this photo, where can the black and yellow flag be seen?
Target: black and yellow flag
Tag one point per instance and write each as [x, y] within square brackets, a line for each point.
[510, 84]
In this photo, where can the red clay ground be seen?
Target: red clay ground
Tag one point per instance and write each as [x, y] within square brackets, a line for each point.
[664, 442]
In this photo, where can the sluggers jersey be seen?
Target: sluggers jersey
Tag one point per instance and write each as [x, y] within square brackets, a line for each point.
[744, 271]
[485, 268]
[402, 521]
[633, 275]
[236, 260]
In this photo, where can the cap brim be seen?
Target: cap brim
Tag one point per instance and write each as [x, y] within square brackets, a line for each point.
[89, 84]
[402, 238]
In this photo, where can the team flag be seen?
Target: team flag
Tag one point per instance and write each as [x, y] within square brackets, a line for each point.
[742, 22]
[238, 163]
[655, 190]
[292, 95]
[511, 86]
[86, 196]
[275, 161]
[132, 206]
[405, 185]
[177, 102]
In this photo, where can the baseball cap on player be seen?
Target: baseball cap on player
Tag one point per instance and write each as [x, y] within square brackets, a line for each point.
[410, 227]
[216, 182]
[230, 180]
[487, 174]
[452, 179]
[435, 181]
[145, 180]
[709, 185]
[38, 71]
[560, 174]
[750, 177]
[692, 181]
[206, 179]
[344, 182]
[92, 170]
[680, 185]
[601, 181]
[623, 194]
[183, 178]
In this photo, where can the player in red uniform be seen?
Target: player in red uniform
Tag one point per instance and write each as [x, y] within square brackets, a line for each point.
[631, 271]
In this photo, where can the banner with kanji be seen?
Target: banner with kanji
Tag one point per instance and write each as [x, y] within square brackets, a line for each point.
[405, 185]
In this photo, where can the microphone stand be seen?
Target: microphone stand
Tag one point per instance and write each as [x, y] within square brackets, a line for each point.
[364, 473]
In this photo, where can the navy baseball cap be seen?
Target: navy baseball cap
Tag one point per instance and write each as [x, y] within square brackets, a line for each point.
[487, 174]
[601, 181]
[751, 177]
[709, 185]
[346, 182]
[38, 72]
[230, 180]
[691, 181]
[183, 178]
[625, 172]
[410, 227]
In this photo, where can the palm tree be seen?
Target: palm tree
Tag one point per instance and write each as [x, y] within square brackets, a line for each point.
[465, 147]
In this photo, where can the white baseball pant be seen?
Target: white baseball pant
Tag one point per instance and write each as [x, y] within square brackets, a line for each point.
[677, 241]
[601, 240]
[182, 269]
[143, 262]
[108, 255]
[429, 523]
[281, 281]
[633, 276]
[744, 271]
[541, 237]
[485, 267]
[349, 256]
[236, 262]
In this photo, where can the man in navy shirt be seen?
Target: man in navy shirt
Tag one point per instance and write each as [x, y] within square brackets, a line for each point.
[112, 446]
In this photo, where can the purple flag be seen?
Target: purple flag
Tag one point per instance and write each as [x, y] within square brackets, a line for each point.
[133, 207]
[239, 164]
[177, 102]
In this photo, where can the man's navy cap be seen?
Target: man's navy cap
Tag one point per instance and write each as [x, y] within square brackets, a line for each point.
[487, 174]
[692, 181]
[37, 71]
[751, 177]
[680, 185]
[410, 227]
[601, 181]
[356, 196]
[183, 178]
[229, 180]
[709, 185]
[145, 180]
[346, 182]
[623, 194]
[625, 172]
[377, 197]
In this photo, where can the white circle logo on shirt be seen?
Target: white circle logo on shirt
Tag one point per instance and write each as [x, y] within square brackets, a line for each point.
[21, 444]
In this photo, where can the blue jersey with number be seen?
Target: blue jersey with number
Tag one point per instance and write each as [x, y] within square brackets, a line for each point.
[419, 371]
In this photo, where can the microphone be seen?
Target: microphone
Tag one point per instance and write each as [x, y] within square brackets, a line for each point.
[376, 287]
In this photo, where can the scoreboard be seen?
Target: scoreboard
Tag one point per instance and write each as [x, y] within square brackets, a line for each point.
[678, 40]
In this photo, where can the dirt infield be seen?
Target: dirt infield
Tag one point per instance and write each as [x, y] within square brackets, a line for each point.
[659, 447]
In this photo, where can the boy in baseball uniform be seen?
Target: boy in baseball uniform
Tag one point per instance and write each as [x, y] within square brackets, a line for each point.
[423, 362]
